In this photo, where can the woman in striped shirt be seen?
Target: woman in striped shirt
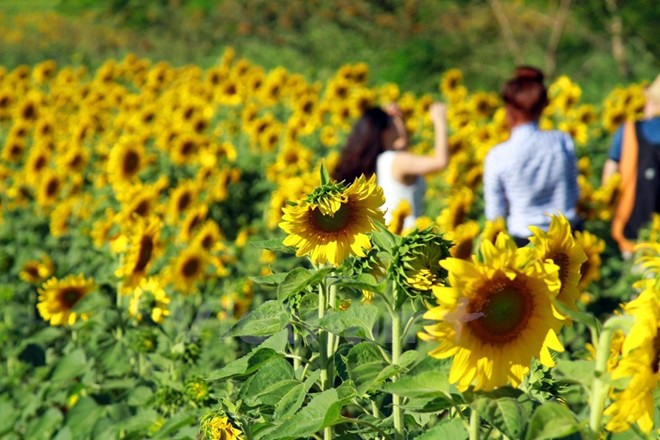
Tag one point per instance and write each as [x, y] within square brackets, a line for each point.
[534, 173]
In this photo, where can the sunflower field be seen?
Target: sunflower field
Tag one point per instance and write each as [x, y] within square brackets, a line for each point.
[175, 262]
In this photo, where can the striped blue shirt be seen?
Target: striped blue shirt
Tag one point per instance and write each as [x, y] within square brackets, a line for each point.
[532, 174]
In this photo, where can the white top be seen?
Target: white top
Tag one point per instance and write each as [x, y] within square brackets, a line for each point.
[396, 191]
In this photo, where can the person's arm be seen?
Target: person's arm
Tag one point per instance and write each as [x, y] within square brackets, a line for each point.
[409, 164]
[494, 195]
[612, 163]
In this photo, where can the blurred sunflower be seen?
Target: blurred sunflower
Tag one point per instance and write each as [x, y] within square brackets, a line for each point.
[192, 221]
[149, 299]
[496, 316]
[558, 245]
[36, 162]
[187, 269]
[144, 247]
[333, 221]
[493, 228]
[182, 198]
[126, 160]
[35, 271]
[57, 298]
[49, 188]
[209, 236]
[458, 207]
[463, 237]
[593, 247]
[399, 214]
[634, 404]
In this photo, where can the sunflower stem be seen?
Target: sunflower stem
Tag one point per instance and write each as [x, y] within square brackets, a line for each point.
[474, 425]
[296, 351]
[397, 411]
[323, 351]
[599, 387]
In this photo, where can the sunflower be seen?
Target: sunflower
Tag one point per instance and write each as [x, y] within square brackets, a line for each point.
[593, 247]
[126, 160]
[492, 229]
[634, 404]
[182, 198]
[143, 248]
[149, 298]
[399, 215]
[13, 149]
[192, 222]
[496, 316]
[57, 298]
[416, 262]
[463, 237]
[36, 162]
[457, 210]
[49, 188]
[217, 427]
[559, 246]
[334, 220]
[35, 271]
[61, 216]
[209, 236]
[188, 268]
[73, 160]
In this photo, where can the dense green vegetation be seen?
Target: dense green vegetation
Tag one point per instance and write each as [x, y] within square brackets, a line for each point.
[405, 41]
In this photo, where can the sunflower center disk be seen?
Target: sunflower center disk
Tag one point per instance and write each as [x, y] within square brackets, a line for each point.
[331, 223]
[70, 297]
[502, 314]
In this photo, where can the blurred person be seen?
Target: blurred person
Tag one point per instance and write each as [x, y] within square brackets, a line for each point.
[534, 172]
[378, 143]
[635, 153]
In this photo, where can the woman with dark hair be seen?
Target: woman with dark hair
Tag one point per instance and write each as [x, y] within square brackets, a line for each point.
[378, 144]
[533, 173]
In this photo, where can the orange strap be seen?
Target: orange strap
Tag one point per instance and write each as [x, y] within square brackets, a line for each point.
[628, 170]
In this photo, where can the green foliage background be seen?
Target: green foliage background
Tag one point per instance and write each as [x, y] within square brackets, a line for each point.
[408, 42]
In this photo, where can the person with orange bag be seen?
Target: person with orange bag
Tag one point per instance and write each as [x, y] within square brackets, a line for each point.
[635, 153]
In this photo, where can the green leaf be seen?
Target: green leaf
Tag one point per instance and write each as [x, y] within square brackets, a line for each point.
[269, 383]
[274, 244]
[383, 238]
[579, 371]
[428, 384]
[83, 416]
[362, 316]
[447, 429]
[582, 317]
[271, 280]
[175, 423]
[322, 411]
[364, 362]
[251, 361]
[550, 421]
[364, 281]
[72, 365]
[506, 415]
[9, 416]
[293, 400]
[267, 319]
[325, 177]
[298, 279]
[44, 425]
